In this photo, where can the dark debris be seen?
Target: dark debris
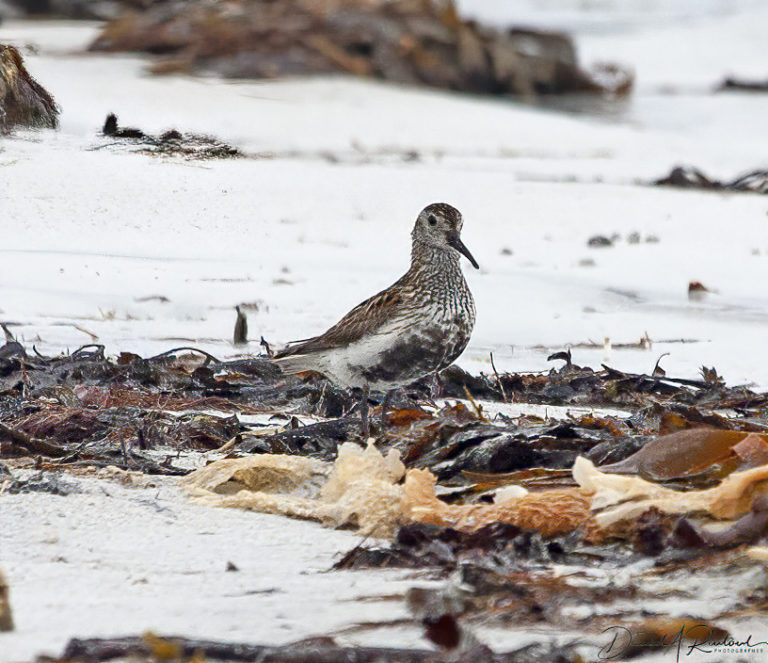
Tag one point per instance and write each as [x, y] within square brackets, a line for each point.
[169, 143]
[88, 408]
[688, 177]
[321, 649]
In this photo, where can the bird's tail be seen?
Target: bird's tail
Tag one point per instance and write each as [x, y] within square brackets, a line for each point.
[293, 364]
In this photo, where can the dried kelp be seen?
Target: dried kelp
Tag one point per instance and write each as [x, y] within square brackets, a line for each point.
[732, 83]
[409, 41]
[425, 545]
[152, 648]
[320, 440]
[501, 575]
[114, 436]
[578, 385]
[88, 408]
[491, 505]
[169, 143]
[694, 451]
[687, 177]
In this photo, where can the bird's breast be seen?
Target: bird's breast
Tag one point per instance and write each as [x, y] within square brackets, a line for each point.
[426, 333]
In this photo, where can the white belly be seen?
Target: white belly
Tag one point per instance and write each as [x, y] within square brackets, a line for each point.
[400, 354]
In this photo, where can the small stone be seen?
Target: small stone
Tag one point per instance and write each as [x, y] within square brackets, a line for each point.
[697, 290]
[506, 251]
[599, 241]
[633, 238]
[586, 262]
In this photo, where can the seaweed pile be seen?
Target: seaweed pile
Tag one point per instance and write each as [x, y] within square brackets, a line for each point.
[85, 407]
[23, 101]
[732, 83]
[688, 177]
[578, 524]
[172, 142]
[418, 42]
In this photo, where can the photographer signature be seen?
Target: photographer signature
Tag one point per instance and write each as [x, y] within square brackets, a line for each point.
[689, 639]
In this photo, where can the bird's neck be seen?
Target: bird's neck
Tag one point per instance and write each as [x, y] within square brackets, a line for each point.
[431, 260]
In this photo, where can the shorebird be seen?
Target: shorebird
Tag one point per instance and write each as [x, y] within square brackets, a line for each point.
[414, 328]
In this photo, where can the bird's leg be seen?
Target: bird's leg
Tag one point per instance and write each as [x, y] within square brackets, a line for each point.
[385, 405]
[436, 388]
[365, 427]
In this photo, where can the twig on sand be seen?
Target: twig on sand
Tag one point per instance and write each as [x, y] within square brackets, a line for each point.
[227, 445]
[94, 337]
[478, 409]
[498, 380]
[658, 371]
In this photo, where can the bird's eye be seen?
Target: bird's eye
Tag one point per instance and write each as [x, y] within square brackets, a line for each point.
[432, 220]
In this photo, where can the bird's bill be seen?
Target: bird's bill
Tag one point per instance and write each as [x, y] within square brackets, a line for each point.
[455, 241]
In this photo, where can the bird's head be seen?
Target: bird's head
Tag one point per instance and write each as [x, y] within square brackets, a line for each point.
[438, 226]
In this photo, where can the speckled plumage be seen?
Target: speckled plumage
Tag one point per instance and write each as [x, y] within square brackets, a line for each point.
[417, 326]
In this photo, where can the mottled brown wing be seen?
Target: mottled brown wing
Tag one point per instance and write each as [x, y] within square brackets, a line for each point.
[366, 318]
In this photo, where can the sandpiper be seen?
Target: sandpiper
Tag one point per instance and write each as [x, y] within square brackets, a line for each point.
[414, 328]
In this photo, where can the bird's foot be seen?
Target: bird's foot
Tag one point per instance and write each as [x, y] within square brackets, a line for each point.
[435, 387]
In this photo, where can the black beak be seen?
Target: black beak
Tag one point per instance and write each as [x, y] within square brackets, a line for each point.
[455, 241]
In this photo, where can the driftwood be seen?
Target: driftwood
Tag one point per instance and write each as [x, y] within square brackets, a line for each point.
[418, 42]
[23, 101]
[312, 650]
[743, 85]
